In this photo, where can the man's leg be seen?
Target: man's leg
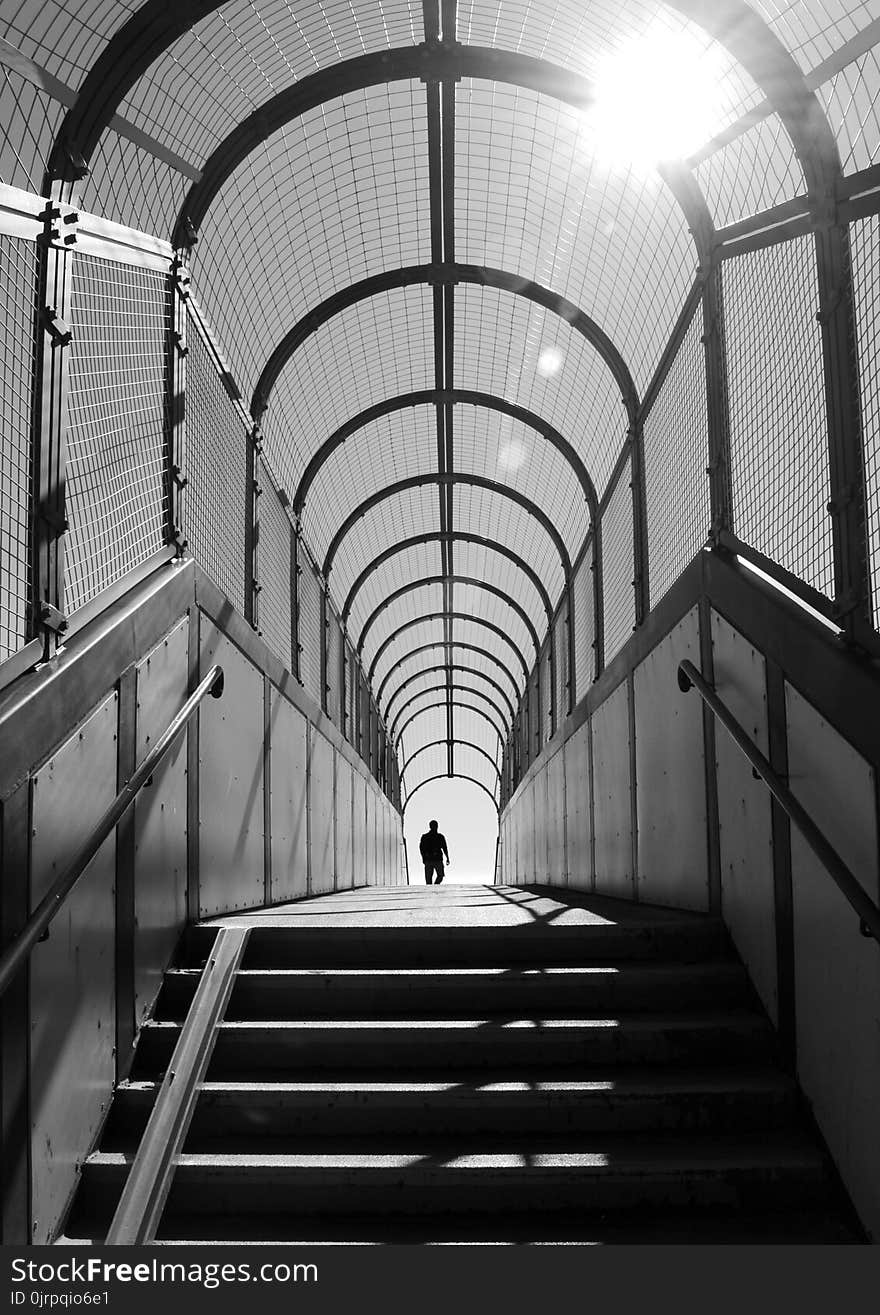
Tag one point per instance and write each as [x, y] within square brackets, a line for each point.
[429, 868]
[438, 868]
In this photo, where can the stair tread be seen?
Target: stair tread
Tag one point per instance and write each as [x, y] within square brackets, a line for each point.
[609, 1153]
[707, 1018]
[533, 1087]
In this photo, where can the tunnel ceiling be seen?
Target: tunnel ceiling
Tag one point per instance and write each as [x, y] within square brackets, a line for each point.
[442, 292]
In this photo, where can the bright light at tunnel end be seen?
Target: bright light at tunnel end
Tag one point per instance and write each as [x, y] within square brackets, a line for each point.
[656, 98]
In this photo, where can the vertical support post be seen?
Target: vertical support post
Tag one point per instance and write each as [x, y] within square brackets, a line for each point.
[193, 894]
[175, 409]
[53, 337]
[598, 601]
[570, 641]
[717, 404]
[633, 782]
[780, 830]
[641, 597]
[252, 527]
[713, 825]
[847, 505]
[551, 710]
[325, 628]
[15, 1129]
[267, 791]
[126, 761]
[295, 573]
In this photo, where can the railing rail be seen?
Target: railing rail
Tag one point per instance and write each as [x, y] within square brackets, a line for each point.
[16, 954]
[849, 886]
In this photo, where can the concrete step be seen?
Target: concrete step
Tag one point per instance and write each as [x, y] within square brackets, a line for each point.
[605, 1174]
[453, 1047]
[406, 946]
[457, 992]
[660, 1226]
[254, 1113]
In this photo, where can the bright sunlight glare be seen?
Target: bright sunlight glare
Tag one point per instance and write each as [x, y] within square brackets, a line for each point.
[657, 98]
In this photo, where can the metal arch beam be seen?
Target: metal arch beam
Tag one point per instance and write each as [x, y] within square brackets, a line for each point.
[427, 580]
[456, 666]
[434, 536]
[421, 481]
[439, 687]
[452, 616]
[441, 643]
[441, 275]
[156, 25]
[467, 743]
[456, 703]
[444, 776]
[456, 397]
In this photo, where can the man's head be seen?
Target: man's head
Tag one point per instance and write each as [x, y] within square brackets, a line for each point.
[433, 826]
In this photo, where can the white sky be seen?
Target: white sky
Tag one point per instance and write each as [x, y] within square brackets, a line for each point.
[467, 819]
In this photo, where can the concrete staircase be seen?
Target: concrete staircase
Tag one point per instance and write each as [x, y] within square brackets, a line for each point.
[594, 1081]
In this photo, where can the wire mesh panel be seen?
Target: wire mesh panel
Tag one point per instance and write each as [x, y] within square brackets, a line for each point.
[584, 626]
[865, 240]
[335, 692]
[537, 710]
[778, 432]
[116, 444]
[617, 566]
[561, 630]
[309, 625]
[546, 723]
[351, 687]
[274, 532]
[213, 510]
[29, 120]
[676, 482]
[18, 281]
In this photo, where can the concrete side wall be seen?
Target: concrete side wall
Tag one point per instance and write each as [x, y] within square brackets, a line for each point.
[837, 971]
[818, 979]
[241, 811]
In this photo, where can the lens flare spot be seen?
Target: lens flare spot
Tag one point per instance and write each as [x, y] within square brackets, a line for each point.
[550, 362]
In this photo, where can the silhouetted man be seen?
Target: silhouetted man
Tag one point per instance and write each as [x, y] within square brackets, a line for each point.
[432, 847]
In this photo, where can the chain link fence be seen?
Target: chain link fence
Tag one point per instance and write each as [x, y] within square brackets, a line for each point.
[676, 460]
[116, 494]
[778, 423]
[18, 292]
[274, 547]
[214, 507]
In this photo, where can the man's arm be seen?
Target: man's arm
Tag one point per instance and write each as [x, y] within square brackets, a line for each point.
[442, 840]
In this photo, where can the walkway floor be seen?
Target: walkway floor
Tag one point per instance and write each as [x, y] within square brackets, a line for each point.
[454, 906]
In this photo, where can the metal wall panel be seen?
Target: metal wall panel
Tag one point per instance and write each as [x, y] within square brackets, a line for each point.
[321, 860]
[611, 788]
[542, 827]
[744, 812]
[577, 809]
[230, 782]
[526, 848]
[289, 824]
[670, 775]
[556, 866]
[72, 974]
[837, 971]
[370, 838]
[344, 833]
[160, 819]
[359, 829]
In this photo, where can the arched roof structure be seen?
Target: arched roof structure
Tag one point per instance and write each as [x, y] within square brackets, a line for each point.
[446, 306]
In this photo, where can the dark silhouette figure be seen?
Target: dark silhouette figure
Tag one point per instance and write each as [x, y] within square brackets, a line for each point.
[432, 847]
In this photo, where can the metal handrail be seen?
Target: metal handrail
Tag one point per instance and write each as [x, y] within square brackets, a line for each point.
[848, 884]
[15, 955]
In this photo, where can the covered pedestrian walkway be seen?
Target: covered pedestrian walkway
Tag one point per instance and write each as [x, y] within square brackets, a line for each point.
[453, 390]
